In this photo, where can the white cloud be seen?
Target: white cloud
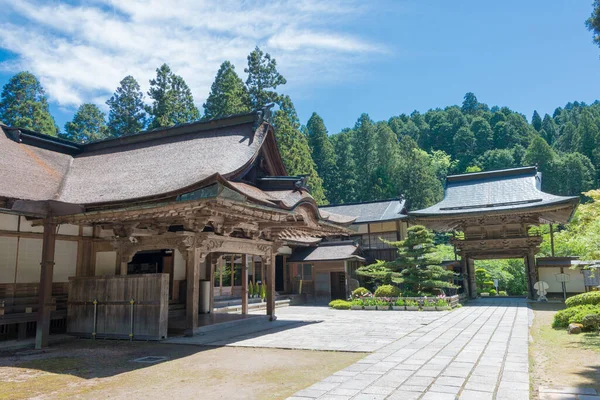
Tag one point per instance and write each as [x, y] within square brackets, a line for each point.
[80, 52]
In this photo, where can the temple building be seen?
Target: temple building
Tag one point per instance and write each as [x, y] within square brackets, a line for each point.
[494, 211]
[107, 237]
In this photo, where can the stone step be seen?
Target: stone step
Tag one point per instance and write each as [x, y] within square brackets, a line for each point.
[252, 307]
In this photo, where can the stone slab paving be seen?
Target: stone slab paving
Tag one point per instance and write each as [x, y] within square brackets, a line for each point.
[477, 352]
[319, 328]
[567, 393]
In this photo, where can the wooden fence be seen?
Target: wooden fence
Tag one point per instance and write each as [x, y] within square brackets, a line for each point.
[128, 306]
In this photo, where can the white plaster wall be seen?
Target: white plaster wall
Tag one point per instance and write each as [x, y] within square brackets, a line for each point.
[575, 284]
[9, 222]
[8, 259]
[88, 231]
[178, 266]
[67, 229]
[106, 262]
[65, 260]
[30, 257]
[26, 226]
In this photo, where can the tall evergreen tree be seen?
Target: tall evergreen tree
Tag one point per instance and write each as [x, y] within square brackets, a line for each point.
[550, 129]
[484, 136]
[173, 102]
[345, 180]
[364, 146]
[417, 176]
[24, 104]
[464, 147]
[588, 136]
[541, 154]
[536, 121]
[262, 77]
[294, 148]
[126, 108]
[88, 124]
[386, 180]
[593, 22]
[323, 152]
[470, 104]
[228, 95]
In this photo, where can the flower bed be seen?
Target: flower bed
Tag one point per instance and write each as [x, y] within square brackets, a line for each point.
[440, 303]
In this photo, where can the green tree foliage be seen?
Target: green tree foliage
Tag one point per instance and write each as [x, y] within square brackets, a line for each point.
[228, 95]
[416, 268]
[262, 77]
[541, 154]
[323, 153]
[294, 148]
[581, 236]
[24, 104]
[126, 108]
[173, 102]
[470, 104]
[344, 183]
[509, 272]
[364, 146]
[593, 22]
[536, 121]
[88, 124]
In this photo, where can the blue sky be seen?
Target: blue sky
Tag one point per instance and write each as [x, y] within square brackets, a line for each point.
[341, 58]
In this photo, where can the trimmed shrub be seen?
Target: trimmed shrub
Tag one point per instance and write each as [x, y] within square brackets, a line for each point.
[573, 315]
[387, 291]
[591, 322]
[492, 292]
[502, 293]
[583, 298]
[360, 292]
[340, 304]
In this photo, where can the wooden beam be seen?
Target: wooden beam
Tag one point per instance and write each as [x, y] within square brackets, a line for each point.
[244, 284]
[193, 292]
[45, 297]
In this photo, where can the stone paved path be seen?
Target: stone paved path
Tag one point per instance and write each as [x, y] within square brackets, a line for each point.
[477, 352]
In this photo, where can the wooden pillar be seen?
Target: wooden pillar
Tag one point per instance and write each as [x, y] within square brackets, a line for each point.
[531, 273]
[269, 260]
[465, 276]
[472, 280]
[244, 284]
[193, 292]
[286, 275]
[552, 240]
[232, 260]
[45, 297]
[253, 269]
[213, 266]
[221, 276]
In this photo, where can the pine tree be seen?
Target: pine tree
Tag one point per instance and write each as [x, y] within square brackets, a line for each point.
[24, 104]
[386, 183]
[464, 147]
[126, 109]
[417, 176]
[88, 124]
[541, 154]
[416, 268]
[588, 136]
[323, 152]
[345, 180]
[536, 121]
[262, 76]
[550, 129]
[228, 95]
[484, 136]
[294, 148]
[173, 101]
[364, 145]
[470, 104]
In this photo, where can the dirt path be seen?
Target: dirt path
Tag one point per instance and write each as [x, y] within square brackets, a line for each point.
[99, 370]
[560, 359]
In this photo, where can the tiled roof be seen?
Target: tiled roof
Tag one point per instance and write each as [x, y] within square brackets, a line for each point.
[327, 251]
[484, 192]
[372, 211]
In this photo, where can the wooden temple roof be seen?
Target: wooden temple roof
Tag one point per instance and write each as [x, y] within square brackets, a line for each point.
[509, 191]
[162, 174]
[328, 251]
[370, 211]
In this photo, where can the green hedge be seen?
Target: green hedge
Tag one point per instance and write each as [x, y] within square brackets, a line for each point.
[387, 291]
[340, 304]
[574, 315]
[583, 298]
